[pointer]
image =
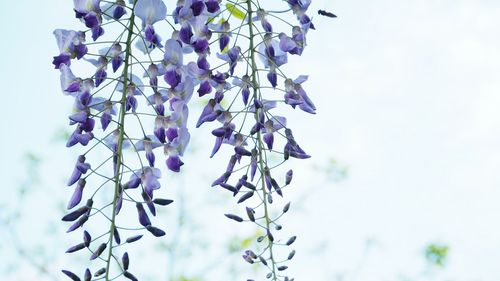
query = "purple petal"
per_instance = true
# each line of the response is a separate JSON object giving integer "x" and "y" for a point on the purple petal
{"x": 185, "y": 34}
{"x": 78, "y": 223}
{"x": 223, "y": 41}
{"x": 155, "y": 231}
{"x": 133, "y": 238}
{"x": 286, "y": 43}
{"x": 71, "y": 275}
{"x": 131, "y": 103}
{"x": 86, "y": 238}
{"x": 273, "y": 78}
{"x": 172, "y": 77}
{"x": 75, "y": 248}
{"x": 100, "y": 76}
{"x": 105, "y": 120}
{"x": 201, "y": 46}
{"x": 160, "y": 134}
{"x": 73, "y": 87}
{"x": 203, "y": 63}
{"x": 174, "y": 163}
{"x": 76, "y": 198}
{"x": 253, "y": 164}
{"x": 91, "y": 20}
{"x": 245, "y": 94}
{"x": 75, "y": 214}
{"x": 289, "y": 176}
{"x": 75, "y": 176}
{"x": 212, "y": 6}
{"x": 151, "y": 158}
{"x": 134, "y": 182}
{"x": 98, "y": 251}
{"x": 61, "y": 59}
{"x": 116, "y": 62}
{"x": 87, "y": 275}
{"x": 118, "y": 12}
{"x": 171, "y": 133}
{"x": 205, "y": 88}
{"x": 197, "y": 7}
{"x": 207, "y": 110}
{"x": 125, "y": 261}
{"x": 143, "y": 217}
{"x": 218, "y": 143}
{"x": 242, "y": 151}
{"x": 222, "y": 179}
{"x": 79, "y": 117}
{"x": 173, "y": 52}
{"x": 269, "y": 140}
{"x": 150, "y": 11}
{"x": 97, "y": 32}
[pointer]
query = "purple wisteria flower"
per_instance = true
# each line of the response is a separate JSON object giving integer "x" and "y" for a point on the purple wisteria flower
{"x": 150, "y": 12}
{"x": 71, "y": 45}
{"x": 232, "y": 56}
{"x": 114, "y": 10}
{"x": 148, "y": 144}
{"x": 296, "y": 95}
{"x": 295, "y": 44}
{"x": 273, "y": 57}
{"x": 113, "y": 54}
{"x": 89, "y": 12}
{"x": 139, "y": 89}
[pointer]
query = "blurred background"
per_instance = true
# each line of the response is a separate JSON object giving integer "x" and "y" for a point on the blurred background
{"x": 404, "y": 183}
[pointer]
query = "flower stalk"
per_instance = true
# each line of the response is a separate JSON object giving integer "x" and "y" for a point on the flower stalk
{"x": 258, "y": 97}
{"x": 121, "y": 130}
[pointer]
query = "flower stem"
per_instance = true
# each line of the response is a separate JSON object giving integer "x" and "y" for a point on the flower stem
{"x": 121, "y": 129}
{"x": 258, "y": 96}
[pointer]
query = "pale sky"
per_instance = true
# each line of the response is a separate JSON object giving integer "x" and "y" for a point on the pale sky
{"x": 408, "y": 94}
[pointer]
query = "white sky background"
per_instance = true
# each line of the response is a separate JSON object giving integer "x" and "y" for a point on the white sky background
{"x": 408, "y": 94}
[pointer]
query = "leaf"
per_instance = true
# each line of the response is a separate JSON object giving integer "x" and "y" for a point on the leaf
{"x": 237, "y": 13}
{"x": 437, "y": 254}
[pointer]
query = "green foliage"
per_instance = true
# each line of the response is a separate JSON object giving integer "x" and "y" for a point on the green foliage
{"x": 436, "y": 254}
{"x": 237, "y": 13}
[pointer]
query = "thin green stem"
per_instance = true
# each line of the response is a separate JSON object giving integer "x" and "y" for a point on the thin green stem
{"x": 260, "y": 146}
{"x": 121, "y": 138}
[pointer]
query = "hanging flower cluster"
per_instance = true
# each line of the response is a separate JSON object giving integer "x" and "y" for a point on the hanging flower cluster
{"x": 250, "y": 127}
{"x": 246, "y": 45}
{"x": 115, "y": 96}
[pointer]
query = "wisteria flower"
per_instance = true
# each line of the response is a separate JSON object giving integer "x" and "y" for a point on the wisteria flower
{"x": 150, "y": 11}
{"x": 70, "y": 45}
{"x": 296, "y": 95}
{"x": 148, "y": 144}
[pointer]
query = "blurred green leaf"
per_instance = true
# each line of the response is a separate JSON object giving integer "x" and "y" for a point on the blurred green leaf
{"x": 436, "y": 254}
{"x": 32, "y": 158}
{"x": 237, "y": 13}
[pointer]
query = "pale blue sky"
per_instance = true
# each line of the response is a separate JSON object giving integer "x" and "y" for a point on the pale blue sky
{"x": 408, "y": 94}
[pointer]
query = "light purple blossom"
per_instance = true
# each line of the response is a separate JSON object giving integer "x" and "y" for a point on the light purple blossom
{"x": 114, "y": 10}
{"x": 70, "y": 45}
{"x": 296, "y": 95}
{"x": 148, "y": 144}
{"x": 150, "y": 11}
